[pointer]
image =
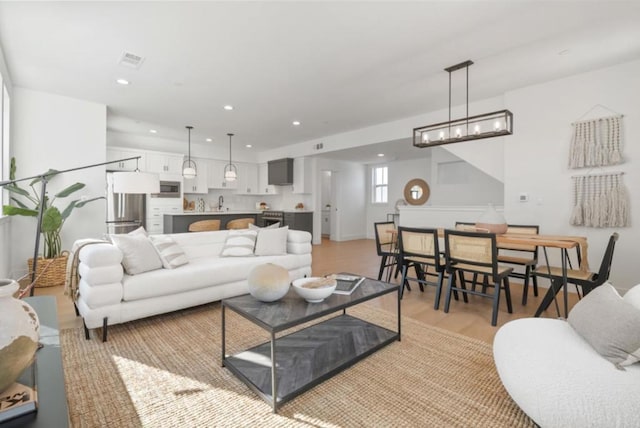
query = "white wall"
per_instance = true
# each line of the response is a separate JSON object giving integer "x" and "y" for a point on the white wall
{"x": 536, "y": 158}
{"x": 477, "y": 188}
{"x": 350, "y": 189}
{"x": 51, "y": 131}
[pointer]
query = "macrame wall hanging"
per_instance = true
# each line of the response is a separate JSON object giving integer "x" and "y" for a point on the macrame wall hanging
{"x": 600, "y": 200}
{"x": 596, "y": 142}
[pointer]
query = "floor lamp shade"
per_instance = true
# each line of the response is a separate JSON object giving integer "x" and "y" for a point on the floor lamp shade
{"x": 135, "y": 182}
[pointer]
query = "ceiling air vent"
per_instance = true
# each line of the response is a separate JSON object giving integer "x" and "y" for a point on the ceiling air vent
{"x": 131, "y": 60}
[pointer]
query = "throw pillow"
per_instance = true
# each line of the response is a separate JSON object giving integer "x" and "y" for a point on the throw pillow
{"x": 239, "y": 243}
{"x": 169, "y": 251}
{"x": 139, "y": 255}
{"x": 609, "y": 324}
{"x": 272, "y": 242}
{"x": 271, "y": 226}
{"x": 138, "y": 231}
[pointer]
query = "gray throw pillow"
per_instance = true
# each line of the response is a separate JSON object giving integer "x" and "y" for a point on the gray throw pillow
{"x": 139, "y": 254}
{"x": 169, "y": 251}
{"x": 609, "y": 324}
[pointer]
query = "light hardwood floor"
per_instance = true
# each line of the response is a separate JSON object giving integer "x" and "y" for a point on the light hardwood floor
{"x": 472, "y": 319}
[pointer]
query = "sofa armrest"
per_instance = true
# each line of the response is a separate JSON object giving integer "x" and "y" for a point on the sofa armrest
{"x": 298, "y": 242}
{"x": 101, "y": 274}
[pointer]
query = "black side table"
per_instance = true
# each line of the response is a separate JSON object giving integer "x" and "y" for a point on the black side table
{"x": 52, "y": 397}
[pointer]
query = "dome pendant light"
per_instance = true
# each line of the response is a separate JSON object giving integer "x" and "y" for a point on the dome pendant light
{"x": 189, "y": 169}
{"x": 230, "y": 170}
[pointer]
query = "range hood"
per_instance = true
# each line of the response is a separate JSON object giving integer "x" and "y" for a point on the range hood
{"x": 280, "y": 172}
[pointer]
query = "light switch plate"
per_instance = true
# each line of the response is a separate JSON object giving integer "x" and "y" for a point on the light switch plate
{"x": 524, "y": 197}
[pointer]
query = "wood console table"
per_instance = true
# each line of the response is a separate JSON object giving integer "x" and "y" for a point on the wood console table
{"x": 52, "y": 398}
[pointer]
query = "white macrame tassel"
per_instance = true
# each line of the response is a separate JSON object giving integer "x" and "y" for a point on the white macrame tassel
{"x": 577, "y": 218}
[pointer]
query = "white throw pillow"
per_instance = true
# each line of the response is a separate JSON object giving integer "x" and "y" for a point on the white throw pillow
{"x": 271, "y": 226}
{"x": 632, "y": 296}
{"x": 272, "y": 242}
{"x": 139, "y": 254}
{"x": 239, "y": 243}
{"x": 169, "y": 251}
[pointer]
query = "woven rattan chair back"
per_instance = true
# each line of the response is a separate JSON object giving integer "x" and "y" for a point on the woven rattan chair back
{"x": 240, "y": 223}
{"x": 204, "y": 226}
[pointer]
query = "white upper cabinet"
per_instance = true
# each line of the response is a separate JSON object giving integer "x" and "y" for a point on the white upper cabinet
{"x": 116, "y": 153}
{"x": 215, "y": 179}
{"x": 247, "y": 179}
{"x": 164, "y": 163}
{"x": 264, "y": 188}
{"x": 200, "y": 183}
{"x": 301, "y": 175}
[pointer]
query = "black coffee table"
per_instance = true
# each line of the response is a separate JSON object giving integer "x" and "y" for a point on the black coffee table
{"x": 286, "y": 366}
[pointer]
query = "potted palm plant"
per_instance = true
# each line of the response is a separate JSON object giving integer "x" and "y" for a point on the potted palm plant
{"x": 51, "y": 270}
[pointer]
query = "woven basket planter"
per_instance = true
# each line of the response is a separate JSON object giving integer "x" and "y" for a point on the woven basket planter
{"x": 50, "y": 272}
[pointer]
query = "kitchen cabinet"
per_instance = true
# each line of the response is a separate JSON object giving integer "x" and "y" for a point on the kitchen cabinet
{"x": 247, "y": 179}
{"x": 200, "y": 183}
{"x": 301, "y": 175}
{"x": 116, "y": 153}
{"x": 156, "y": 209}
{"x": 264, "y": 188}
{"x": 164, "y": 163}
{"x": 299, "y": 221}
{"x": 215, "y": 178}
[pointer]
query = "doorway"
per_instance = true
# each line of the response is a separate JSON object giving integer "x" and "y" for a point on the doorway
{"x": 329, "y": 205}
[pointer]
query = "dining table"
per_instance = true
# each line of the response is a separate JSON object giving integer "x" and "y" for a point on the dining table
{"x": 562, "y": 242}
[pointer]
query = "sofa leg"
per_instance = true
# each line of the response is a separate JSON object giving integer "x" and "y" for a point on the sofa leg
{"x": 86, "y": 330}
{"x": 104, "y": 329}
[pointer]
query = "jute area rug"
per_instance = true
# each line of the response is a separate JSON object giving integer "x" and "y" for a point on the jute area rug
{"x": 165, "y": 371}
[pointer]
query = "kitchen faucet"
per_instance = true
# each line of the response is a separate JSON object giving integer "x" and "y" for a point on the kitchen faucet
{"x": 220, "y": 202}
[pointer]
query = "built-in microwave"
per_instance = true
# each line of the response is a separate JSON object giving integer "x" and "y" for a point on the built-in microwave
{"x": 168, "y": 189}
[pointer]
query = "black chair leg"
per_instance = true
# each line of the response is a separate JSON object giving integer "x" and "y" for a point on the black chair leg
{"x": 450, "y": 285}
{"x": 463, "y": 286}
{"x": 383, "y": 262}
{"x": 535, "y": 285}
{"x": 436, "y": 303}
{"x": 420, "y": 274}
{"x": 496, "y": 303}
{"x": 475, "y": 281}
{"x": 525, "y": 287}
{"x": 507, "y": 294}
{"x": 404, "y": 280}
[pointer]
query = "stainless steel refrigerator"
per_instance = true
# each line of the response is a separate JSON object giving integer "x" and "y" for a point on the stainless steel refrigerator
{"x": 125, "y": 212}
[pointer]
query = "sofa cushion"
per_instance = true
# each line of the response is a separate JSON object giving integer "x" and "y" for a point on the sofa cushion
{"x": 202, "y": 273}
{"x": 139, "y": 255}
{"x": 633, "y": 296}
{"x": 239, "y": 243}
{"x": 272, "y": 242}
{"x": 170, "y": 253}
{"x": 609, "y": 324}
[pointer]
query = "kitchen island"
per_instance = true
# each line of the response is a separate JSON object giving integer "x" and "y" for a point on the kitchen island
{"x": 179, "y": 223}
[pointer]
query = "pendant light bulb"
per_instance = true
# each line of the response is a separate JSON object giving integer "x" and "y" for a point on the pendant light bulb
{"x": 189, "y": 169}
{"x": 230, "y": 170}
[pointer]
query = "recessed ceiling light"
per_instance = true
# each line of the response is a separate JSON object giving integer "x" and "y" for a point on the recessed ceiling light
{"x": 208, "y": 140}
{"x": 228, "y": 107}
{"x": 296, "y": 123}
{"x": 153, "y": 131}
{"x": 380, "y": 155}
{"x": 248, "y": 146}
{"x": 122, "y": 82}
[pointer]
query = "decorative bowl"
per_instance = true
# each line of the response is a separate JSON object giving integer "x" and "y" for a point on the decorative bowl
{"x": 316, "y": 294}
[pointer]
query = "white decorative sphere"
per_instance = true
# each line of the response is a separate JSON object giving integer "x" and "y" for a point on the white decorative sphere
{"x": 19, "y": 334}
{"x": 268, "y": 282}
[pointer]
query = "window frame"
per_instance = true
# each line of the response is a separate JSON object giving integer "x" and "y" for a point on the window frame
{"x": 383, "y": 185}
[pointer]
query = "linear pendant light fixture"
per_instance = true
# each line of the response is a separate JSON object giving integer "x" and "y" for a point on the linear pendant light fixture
{"x": 230, "y": 170}
{"x": 488, "y": 125}
{"x": 189, "y": 169}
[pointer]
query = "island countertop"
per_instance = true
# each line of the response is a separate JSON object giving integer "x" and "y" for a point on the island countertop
{"x": 230, "y": 212}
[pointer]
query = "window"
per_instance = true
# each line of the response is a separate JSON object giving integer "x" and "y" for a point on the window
{"x": 4, "y": 137}
{"x": 379, "y": 185}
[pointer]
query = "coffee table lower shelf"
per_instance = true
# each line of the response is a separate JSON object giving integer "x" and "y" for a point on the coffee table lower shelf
{"x": 309, "y": 356}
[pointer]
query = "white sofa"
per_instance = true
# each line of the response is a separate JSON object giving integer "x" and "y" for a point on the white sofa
{"x": 109, "y": 296}
{"x": 559, "y": 380}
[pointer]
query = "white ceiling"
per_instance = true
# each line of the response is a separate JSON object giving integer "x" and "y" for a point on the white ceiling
{"x": 334, "y": 66}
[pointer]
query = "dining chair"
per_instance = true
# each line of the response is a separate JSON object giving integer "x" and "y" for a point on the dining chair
{"x": 584, "y": 279}
{"x": 419, "y": 248}
{"x": 240, "y": 223}
{"x": 475, "y": 253}
{"x": 521, "y": 255}
{"x": 204, "y": 225}
{"x": 386, "y": 247}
